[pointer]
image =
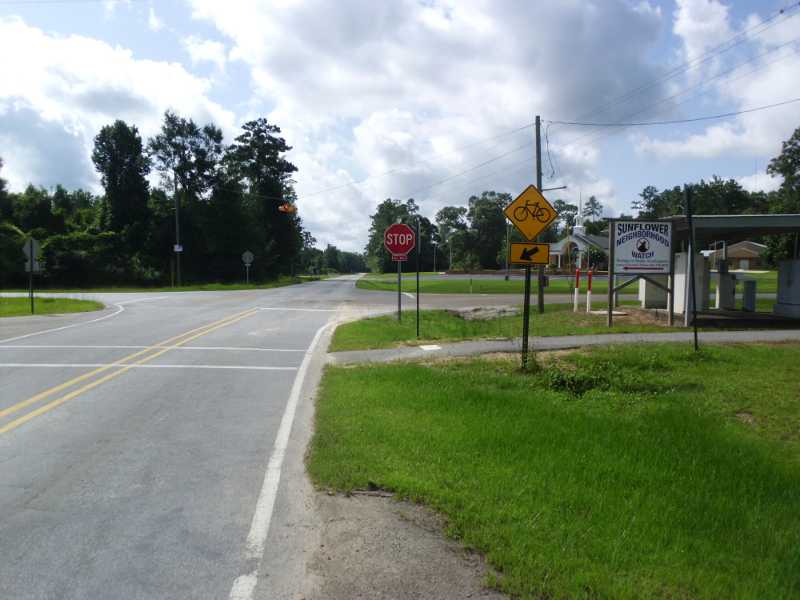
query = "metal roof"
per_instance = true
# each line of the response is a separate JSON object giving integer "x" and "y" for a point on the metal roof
{"x": 734, "y": 227}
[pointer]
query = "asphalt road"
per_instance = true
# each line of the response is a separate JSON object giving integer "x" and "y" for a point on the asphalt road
{"x": 152, "y": 451}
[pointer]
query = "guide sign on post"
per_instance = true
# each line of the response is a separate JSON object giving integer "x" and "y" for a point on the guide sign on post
{"x": 399, "y": 239}
{"x": 531, "y": 214}
{"x": 642, "y": 247}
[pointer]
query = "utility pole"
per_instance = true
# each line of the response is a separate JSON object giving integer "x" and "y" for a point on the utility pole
{"x": 508, "y": 235}
{"x": 540, "y": 290}
{"x": 177, "y": 248}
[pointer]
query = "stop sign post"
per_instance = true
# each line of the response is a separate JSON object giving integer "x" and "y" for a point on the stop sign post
{"x": 399, "y": 239}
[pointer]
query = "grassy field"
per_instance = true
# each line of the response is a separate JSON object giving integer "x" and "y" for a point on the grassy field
{"x": 202, "y": 287}
{"x": 627, "y": 472}
{"x": 17, "y": 307}
{"x": 767, "y": 283}
{"x": 441, "y": 326}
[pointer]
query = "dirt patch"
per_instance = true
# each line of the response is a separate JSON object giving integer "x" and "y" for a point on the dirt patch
{"x": 484, "y": 313}
{"x": 746, "y": 417}
{"x": 379, "y": 548}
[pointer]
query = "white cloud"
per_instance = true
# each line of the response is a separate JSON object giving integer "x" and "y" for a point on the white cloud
{"x": 759, "y": 182}
{"x": 387, "y": 83}
{"x": 702, "y": 24}
{"x": 59, "y": 91}
{"x": 153, "y": 22}
{"x": 201, "y": 51}
{"x": 767, "y": 68}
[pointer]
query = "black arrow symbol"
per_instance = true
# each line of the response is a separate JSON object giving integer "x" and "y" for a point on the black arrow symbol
{"x": 527, "y": 253}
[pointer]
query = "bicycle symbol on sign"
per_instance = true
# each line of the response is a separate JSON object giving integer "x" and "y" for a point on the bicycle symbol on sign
{"x": 532, "y": 209}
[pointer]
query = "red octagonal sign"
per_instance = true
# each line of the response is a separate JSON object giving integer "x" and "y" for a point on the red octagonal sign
{"x": 399, "y": 239}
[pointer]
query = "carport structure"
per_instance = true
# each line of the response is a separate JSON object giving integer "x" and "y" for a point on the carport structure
{"x": 735, "y": 228}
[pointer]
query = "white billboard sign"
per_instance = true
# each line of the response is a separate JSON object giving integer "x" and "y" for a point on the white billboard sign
{"x": 642, "y": 247}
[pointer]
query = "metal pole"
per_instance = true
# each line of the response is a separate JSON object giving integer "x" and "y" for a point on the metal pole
{"x": 30, "y": 271}
{"x": 508, "y": 273}
{"x": 687, "y": 193}
{"x": 247, "y": 274}
{"x": 177, "y": 228}
{"x": 399, "y": 293}
{"x": 419, "y": 251}
{"x": 540, "y": 278}
{"x": 526, "y": 313}
{"x": 612, "y": 226}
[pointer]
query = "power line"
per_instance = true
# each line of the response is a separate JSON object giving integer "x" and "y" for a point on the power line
{"x": 37, "y": 2}
{"x": 729, "y": 44}
{"x": 473, "y": 168}
{"x": 417, "y": 161}
{"x": 678, "y": 121}
{"x": 704, "y": 84}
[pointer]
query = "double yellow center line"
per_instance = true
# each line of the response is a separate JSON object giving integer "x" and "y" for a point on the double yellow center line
{"x": 122, "y": 365}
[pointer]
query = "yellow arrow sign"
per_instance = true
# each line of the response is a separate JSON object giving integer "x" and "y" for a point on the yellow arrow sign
{"x": 530, "y": 213}
{"x": 529, "y": 254}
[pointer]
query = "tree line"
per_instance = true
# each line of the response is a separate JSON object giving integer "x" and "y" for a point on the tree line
{"x": 473, "y": 237}
{"x": 225, "y": 199}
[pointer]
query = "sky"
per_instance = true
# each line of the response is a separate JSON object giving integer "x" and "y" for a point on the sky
{"x": 430, "y": 99}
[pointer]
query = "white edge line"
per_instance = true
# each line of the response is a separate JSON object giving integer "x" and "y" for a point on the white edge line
{"x": 135, "y": 366}
{"x": 90, "y": 347}
{"x": 120, "y": 308}
{"x": 286, "y": 309}
{"x": 244, "y": 585}
{"x": 409, "y": 294}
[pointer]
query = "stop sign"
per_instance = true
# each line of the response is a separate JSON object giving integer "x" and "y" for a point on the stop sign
{"x": 399, "y": 239}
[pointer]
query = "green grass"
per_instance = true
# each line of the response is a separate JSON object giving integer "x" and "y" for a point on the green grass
{"x": 201, "y": 287}
{"x": 767, "y": 283}
{"x": 629, "y": 472}
{"x": 17, "y": 307}
{"x": 441, "y": 326}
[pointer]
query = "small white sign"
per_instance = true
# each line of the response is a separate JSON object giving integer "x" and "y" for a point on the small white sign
{"x": 642, "y": 247}
{"x": 177, "y": 248}
{"x": 248, "y": 257}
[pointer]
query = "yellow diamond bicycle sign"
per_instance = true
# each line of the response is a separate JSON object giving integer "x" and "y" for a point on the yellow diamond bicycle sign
{"x": 531, "y": 213}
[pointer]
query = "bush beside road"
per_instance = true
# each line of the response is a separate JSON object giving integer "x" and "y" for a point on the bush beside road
{"x": 447, "y": 326}
{"x": 19, "y": 307}
{"x": 486, "y": 284}
{"x": 623, "y": 472}
{"x": 200, "y": 287}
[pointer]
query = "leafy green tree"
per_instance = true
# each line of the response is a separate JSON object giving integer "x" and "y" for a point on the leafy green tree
{"x": 567, "y": 216}
{"x": 5, "y": 200}
{"x": 257, "y": 157}
{"x": 119, "y": 158}
{"x": 12, "y": 259}
{"x": 787, "y": 163}
{"x": 450, "y": 220}
{"x": 787, "y": 199}
{"x": 593, "y": 208}
{"x": 388, "y": 212}
{"x": 488, "y": 224}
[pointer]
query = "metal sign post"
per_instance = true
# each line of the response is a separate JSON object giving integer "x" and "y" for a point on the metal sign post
{"x": 247, "y": 259}
{"x": 531, "y": 214}
{"x": 419, "y": 251}
{"x": 30, "y": 272}
{"x": 687, "y": 194}
{"x": 31, "y": 248}
{"x": 399, "y": 239}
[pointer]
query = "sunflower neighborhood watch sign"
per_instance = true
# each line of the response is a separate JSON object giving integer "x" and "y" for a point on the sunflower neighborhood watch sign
{"x": 642, "y": 247}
